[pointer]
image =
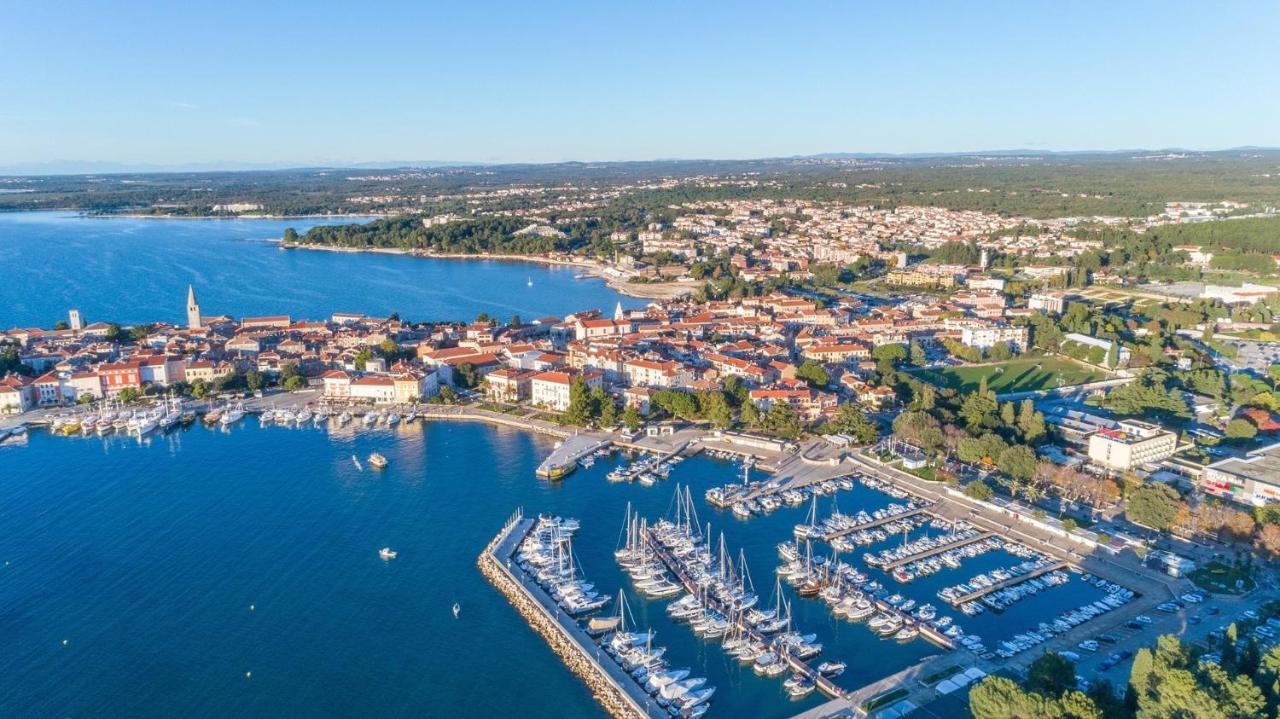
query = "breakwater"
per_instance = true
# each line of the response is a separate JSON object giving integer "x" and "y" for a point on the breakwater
{"x": 560, "y": 632}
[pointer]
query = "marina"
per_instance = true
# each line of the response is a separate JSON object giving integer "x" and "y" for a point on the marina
{"x": 719, "y": 654}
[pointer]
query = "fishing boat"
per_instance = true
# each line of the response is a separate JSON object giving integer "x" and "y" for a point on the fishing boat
{"x": 377, "y": 461}
{"x": 232, "y": 415}
{"x": 387, "y": 553}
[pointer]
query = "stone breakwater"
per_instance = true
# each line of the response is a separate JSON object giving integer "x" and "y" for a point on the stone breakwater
{"x": 606, "y": 692}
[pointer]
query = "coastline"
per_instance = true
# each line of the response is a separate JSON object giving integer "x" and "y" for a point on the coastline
{"x": 661, "y": 291}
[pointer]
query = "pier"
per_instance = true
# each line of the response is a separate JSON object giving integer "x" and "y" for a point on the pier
{"x": 1011, "y": 581}
{"x": 936, "y": 550}
{"x": 564, "y": 459}
{"x": 799, "y": 666}
{"x": 617, "y": 692}
{"x": 874, "y": 523}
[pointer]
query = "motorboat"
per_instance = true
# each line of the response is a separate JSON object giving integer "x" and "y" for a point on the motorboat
{"x": 387, "y": 553}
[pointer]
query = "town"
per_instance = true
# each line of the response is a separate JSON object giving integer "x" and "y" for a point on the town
{"x": 1124, "y": 433}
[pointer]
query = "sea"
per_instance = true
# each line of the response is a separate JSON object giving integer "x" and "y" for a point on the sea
{"x": 136, "y": 269}
{"x": 235, "y": 572}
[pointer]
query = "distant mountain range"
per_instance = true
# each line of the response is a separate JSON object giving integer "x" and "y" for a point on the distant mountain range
{"x": 96, "y": 167}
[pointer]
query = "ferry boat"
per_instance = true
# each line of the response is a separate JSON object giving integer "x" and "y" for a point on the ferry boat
{"x": 377, "y": 461}
{"x": 387, "y": 553}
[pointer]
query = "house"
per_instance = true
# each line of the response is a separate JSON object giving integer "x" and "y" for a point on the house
{"x": 649, "y": 373}
{"x": 119, "y": 376}
{"x": 17, "y": 394}
{"x": 639, "y": 397}
{"x": 551, "y": 389}
{"x": 337, "y": 384}
{"x": 508, "y": 384}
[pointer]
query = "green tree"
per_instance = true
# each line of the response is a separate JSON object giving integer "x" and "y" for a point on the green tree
{"x": 1154, "y": 505}
{"x": 631, "y": 418}
{"x": 978, "y": 411}
{"x": 295, "y": 383}
{"x": 129, "y": 395}
{"x": 114, "y": 333}
{"x": 1030, "y": 422}
{"x": 579, "y": 410}
{"x": 362, "y": 358}
{"x": 137, "y": 333}
{"x": 466, "y": 376}
{"x": 888, "y": 355}
{"x": 199, "y": 389}
{"x": 61, "y": 325}
{"x": 715, "y": 407}
{"x": 979, "y": 490}
{"x": 916, "y": 355}
{"x": 813, "y": 373}
{"x": 782, "y": 419}
{"x": 851, "y": 420}
{"x": 1008, "y": 416}
{"x": 1051, "y": 674}
{"x": 1240, "y": 428}
{"x": 750, "y": 414}
{"x": 254, "y": 380}
{"x": 1018, "y": 461}
{"x": 608, "y": 412}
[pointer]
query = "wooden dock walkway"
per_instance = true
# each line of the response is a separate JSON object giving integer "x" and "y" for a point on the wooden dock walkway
{"x": 799, "y": 666}
{"x": 980, "y": 593}
{"x": 875, "y": 523}
{"x": 937, "y": 550}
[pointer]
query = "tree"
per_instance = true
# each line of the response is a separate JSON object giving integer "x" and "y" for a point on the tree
{"x": 1240, "y": 428}
{"x": 295, "y": 383}
{"x": 1154, "y": 505}
{"x": 978, "y": 410}
{"x": 515, "y": 321}
{"x": 715, "y": 407}
{"x": 916, "y": 354}
{"x": 1019, "y": 462}
{"x": 254, "y": 380}
{"x": 608, "y": 412}
{"x": 1268, "y": 539}
{"x": 129, "y": 395}
{"x": 749, "y": 414}
{"x": 1008, "y": 416}
{"x": 888, "y": 355}
{"x": 114, "y": 333}
{"x": 466, "y": 376}
{"x": 599, "y": 398}
{"x": 813, "y": 373}
{"x": 978, "y": 490}
{"x": 362, "y": 357}
{"x": 579, "y": 410}
{"x": 137, "y": 333}
{"x": 1051, "y": 674}
{"x": 782, "y": 419}
{"x": 61, "y": 325}
{"x": 1030, "y": 422}
{"x": 851, "y": 420}
{"x": 199, "y": 389}
{"x": 631, "y": 418}
{"x": 920, "y": 429}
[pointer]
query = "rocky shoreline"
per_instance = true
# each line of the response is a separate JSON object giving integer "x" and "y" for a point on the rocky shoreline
{"x": 606, "y": 693}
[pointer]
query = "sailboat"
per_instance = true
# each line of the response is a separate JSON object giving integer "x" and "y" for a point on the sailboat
{"x": 529, "y": 282}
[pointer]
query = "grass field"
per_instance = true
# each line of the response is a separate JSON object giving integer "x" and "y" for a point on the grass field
{"x": 1017, "y": 375}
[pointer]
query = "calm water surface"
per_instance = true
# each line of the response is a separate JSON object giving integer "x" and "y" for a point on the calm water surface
{"x": 145, "y": 559}
{"x": 137, "y": 270}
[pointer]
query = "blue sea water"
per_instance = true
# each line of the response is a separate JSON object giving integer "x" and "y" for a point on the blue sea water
{"x": 128, "y": 270}
{"x": 146, "y": 557}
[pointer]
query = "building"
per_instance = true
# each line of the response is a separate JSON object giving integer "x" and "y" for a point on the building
{"x": 988, "y": 336}
{"x": 193, "y": 309}
{"x": 1253, "y": 479}
{"x": 1049, "y": 303}
{"x": 648, "y": 373}
{"x": 1131, "y": 444}
{"x": 508, "y": 384}
{"x": 1123, "y": 354}
{"x": 76, "y": 321}
{"x": 551, "y": 389}
{"x": 119, "y": 376}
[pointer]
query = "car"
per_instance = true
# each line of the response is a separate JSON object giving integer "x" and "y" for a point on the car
{"x": 1251, "y": 614}
{"x": 1083, "y": 684}
{"x": 1194, "y": 619}
{"x": 1123, "y": 654}
{"x": 1069, "y": 655}
{"x": 1213, "y": 611}
{"x": 1088, "y": 645}
{"x": 1134, "y": 625}
{"x": 1213, "y": 657}
{"x": 1106, "y": 664}
{"x": 1168, "y": 607}
{"x": 1191, "y": 598}
{"x": 1106, "y": 638}
{"x": 1142, "y": 619}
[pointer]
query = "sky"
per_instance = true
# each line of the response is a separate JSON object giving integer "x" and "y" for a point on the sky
{"x": 325, "y": 82}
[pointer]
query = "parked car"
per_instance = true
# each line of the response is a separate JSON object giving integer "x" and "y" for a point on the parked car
{"x": 1142, "y": 619}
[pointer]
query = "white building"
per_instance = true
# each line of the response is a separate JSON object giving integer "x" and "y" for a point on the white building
{"x": 1049, "y": 303}
{"x": 988, "y": 336}
{"x": 552, "y": 389}
{"x": 1132, "y": 444}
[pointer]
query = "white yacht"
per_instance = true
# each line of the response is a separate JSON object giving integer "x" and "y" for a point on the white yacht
{"x": 387, "y": 553}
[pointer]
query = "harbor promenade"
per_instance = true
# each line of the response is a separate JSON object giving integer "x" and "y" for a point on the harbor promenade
{"x": 616, "y": 692}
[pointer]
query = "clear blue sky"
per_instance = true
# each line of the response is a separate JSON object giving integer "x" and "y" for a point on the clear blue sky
{"x": 322, "y": 82}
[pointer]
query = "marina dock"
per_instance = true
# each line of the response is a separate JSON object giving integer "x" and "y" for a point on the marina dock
{"x": 874, "y": 523}
{"x": 936, "y": 550}
{"x": 565, "y": 458}
{"x": 618, "y": 693}
{"x": 980, "y": 593}
{"x": 799, "y": 666}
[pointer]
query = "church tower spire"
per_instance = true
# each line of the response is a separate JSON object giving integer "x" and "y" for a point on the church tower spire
{"x": 193, "y": 309}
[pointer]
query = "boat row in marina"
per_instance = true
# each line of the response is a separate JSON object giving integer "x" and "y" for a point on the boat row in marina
{"x": 722, "y": 603}
{"x": 1116, "y": 597}
{"x": 322, "y": 416}
{"x": 853, "y": 596}
{"x": 950, "y": 559}
{"x": 546, "y": 554}
{"x": 1000, "y": 599}
{"x": 875, "y": 535}
{"x": 674, "y": 690}
{"x": 647, "y": 470}
{"x": 136, "y": 422}
{"x": 962, "y": 532}
{"x": 839, "y": 523}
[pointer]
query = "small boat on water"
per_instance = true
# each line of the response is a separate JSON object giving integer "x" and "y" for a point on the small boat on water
{"x": 832, "y": 669}
{"x": 356, "y": 460}
{"x": 457, "y": 609}
{"x": 387, "y": 553}
{"x": 377, "y": 460}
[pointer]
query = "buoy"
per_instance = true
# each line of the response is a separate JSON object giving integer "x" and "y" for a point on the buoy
{"x": 248, "y": 675}
{"x": 251, "y": 607}
{"x": 64, "y": 642}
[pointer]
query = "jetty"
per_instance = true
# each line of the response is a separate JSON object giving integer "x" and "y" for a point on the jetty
{"x": 1011, "y": 581}
{"x": 564, "y": 459}
{"x": 616, "y": 692}
{"x": 874, "y": 523}
{"x": 925, "y": 554}
{"x": 798, "y": 665}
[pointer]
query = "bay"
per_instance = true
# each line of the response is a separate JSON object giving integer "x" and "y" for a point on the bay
{"x": 130, "y": 270}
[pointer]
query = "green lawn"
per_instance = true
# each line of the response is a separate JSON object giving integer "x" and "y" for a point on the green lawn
{"x": 1221, "y": 579}
{"x": 1016, "y": 375}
